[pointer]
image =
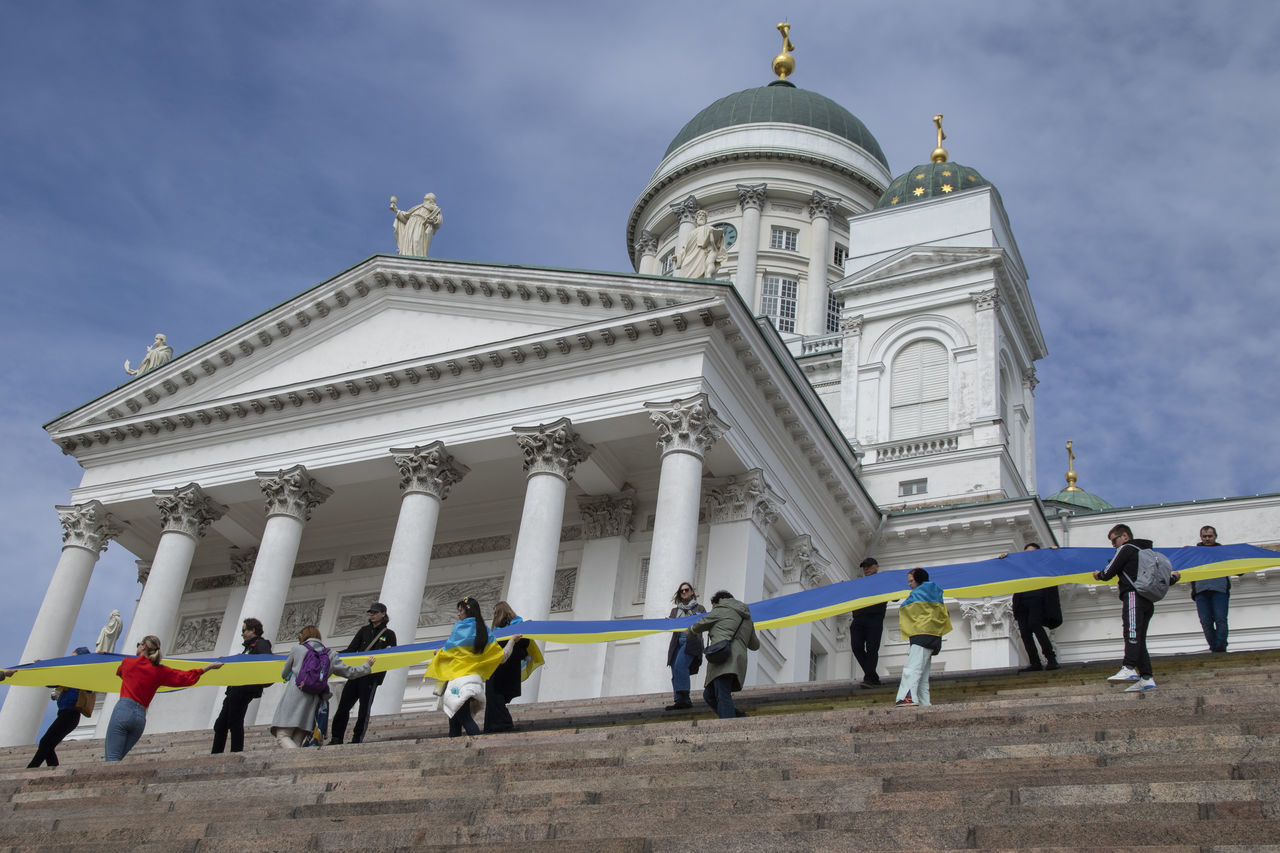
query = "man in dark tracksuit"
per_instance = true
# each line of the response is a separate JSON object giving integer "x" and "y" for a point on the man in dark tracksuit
{"x": 1135, "y": 612}
{"x": 236, "y": 704}
{"x": 370, "y": 638}
{"x": 866, "y": 629}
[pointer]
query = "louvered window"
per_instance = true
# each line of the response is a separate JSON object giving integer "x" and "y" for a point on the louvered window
{"x": 918, "y": 388}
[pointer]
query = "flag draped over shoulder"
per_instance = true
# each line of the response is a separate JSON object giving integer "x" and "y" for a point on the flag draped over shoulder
{"x": 924, "y": 612}
{"x": 1019, "y": 572}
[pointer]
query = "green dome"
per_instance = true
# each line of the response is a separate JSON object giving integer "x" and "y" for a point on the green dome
{"x": 780, "y": 102}
{"x": 932, "y": 180}
{"x": 1081, "y": 498}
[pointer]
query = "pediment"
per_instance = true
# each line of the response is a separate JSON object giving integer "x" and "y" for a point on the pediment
{"x": 920, "y": 260}
{"x": 385, "y": 322}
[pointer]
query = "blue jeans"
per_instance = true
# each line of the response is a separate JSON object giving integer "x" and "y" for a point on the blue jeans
{"x": 1212, "y": 607}
{"x": 680, "y": 668}
{"x": 127, "y": 722}
{"x": 719, "y": 695}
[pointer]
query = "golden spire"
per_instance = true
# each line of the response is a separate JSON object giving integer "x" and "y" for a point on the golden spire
{"x": 1071, "y": 470}
{"x": 939, "y": 154}
{"x": 784, "y": 64}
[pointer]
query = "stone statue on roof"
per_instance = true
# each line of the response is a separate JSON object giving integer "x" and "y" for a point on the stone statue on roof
{"x": 157, "y": 354}
{"x": 704, "y": 252}
{"x": 415, "y": 227}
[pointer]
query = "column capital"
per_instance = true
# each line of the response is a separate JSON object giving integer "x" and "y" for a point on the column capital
{"x": 428, "y": 470}
{"x": 1030, "y": 378}
{"x": 144, "y": 570}
{"x": 604, "y": 516}
{"x": 685, "y": 209}
{"x": 985, "y": 300}
{"x": 851, "y": 326}
{"x": 554, "y": 448}
{"x": 688, "y": 425}
{"x": 741, "y": 497}
{"x": 989, "y": 619}
{"x": 88, "y": 526}
{"x": 646, "y": 244}
{"x": 821, "y": 205}
{"x": 292, "y": 492}
{"x": 803, "y": 564}
{"x": 187, "y": 510}
{"x": 242, "y": 563}
{"x": 751, "y": 195}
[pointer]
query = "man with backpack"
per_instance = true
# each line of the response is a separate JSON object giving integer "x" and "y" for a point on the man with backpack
{"x": 370, "y": 638}
{"x": 1143, "y": 580}
{"x": 236, "y": 703}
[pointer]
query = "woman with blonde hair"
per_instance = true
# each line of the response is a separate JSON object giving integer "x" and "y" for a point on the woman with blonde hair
{"x": 296, "y": 714}
{"x": 140, "y": 677}
{"x": 684, "y": 654}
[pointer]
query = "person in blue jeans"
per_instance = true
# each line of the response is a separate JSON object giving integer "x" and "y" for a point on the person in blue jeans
{"x": 684, "y": 654}
{"x": 1212, "y": 597}
{"x": 728, "y": 620}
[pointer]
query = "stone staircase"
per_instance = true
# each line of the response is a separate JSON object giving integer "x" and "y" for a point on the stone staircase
{"x": 1044, "y": 761}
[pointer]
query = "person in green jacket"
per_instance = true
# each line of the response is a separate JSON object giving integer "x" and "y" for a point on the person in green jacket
{"x": 729, "y": 619}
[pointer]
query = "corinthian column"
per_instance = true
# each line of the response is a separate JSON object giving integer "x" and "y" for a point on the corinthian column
{"x": 86, "y": 528}
{"x": 686, "y": 210}
{"x": 815, "y": 302}
{"x": 291, "y": 496}
{"x": 647, "y": 252}
{"x": 185, "y": 515}
{"x": 751, "y": 199}
{"x": 426, "y": 476}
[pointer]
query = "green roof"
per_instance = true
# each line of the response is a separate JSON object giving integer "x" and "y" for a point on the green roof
{"x": 1080, "y": 498}
{"x": 932, "y": 180}
{"x": 780, "y": 102}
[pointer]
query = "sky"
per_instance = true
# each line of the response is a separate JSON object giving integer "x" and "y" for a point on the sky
{"x": 179, "y": 167}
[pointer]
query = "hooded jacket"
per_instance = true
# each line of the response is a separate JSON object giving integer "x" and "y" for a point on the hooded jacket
{"x": 1124, "y": 565}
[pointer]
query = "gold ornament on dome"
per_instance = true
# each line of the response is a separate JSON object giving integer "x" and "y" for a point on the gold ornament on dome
{"x": 946, "y": 188}
{"x": 918, "y": 191}
{"x": 920, "y": 177}
{"x": 784, "y": 64}
{"x": 895, "y": 200}
{"x": 946, "y": 174}
{"x": 939, "y": 154}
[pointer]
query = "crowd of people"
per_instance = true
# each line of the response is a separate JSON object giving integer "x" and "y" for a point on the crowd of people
{"x": 474, "y": 675}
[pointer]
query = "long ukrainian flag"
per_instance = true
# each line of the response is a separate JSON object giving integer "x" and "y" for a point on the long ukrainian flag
{"x": 1019, "y": 572}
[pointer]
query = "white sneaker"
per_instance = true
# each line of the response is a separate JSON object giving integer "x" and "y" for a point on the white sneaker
{"x": 1126, "y": 673}
{"x": 1141, "y": 685}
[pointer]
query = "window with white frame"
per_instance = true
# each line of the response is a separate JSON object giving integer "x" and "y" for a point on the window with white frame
{"x": 778, "y": 302}
{"x": 918, "y": 390}
{"x": 909, "y": 488}
{"x": 838, "y": 256}
{"x": 834, "y": 306}
{"x": 786, "y": 239}
{"x": 669, "y": 263}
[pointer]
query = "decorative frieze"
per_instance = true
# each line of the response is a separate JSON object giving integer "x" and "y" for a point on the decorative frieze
{"x": 198, "y": 634}
{"x": 607, "y": 515}
{"x": 562, "y": 589}
{"x": 739, "y": 498}
{"x": 554, "y": 448}
{"x": 689, "y": 425}
{"x": 213, "y": 582}
{"x": 353, "y": 614}
{"x": 440, "y": 601}
{"x": 428, "y": 470}
{"x": 467, "y": 547}
{"x": 298, "y": 615}
{"x": 87, "y": 525}
{"x": 292, "y": 492}
{"x": 187, "y": 510}
{"x": 377, "y": 560}
{"x": 313, "y": 567}
{"x": 989, "y": 619}
{"x": 751, "y": 195}
{"x": 803, "y": 564}
{"x": 985, "y": 300}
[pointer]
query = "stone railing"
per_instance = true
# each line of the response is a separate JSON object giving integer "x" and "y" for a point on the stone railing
{"x": 826, "y": 343}
{"x": 923, "y": 446}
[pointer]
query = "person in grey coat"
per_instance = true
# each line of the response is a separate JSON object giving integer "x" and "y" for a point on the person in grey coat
{"x": 728, "y": 619}
{"x": 296, "y": 714}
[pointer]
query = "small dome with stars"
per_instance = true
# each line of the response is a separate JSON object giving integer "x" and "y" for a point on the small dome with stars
{"x": 932, "y": 180}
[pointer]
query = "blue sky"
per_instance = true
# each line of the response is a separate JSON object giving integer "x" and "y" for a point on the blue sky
{"x": 179, "y": 167}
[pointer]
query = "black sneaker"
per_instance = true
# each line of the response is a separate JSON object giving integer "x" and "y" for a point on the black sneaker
{"x": 679, "y": 706}
{"x": 1035, "y": 667}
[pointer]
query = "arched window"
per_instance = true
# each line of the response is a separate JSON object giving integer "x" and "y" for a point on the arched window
{"x": 918, "y": 389}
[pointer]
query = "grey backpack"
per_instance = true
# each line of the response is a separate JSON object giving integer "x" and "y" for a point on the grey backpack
{"x": 1155, "y": 574}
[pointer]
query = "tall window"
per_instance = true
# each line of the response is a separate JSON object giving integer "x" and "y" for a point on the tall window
{"x": 778, "y": 301}
{"x": 668, "y": 263}
{"x": 838, "y": 256}
{"x": 833, "y": 312}
{"x": 783, "y": 238}
{"x": 918, "y": 390}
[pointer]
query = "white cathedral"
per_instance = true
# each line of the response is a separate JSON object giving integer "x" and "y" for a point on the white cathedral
{"x": 852, "y": 373}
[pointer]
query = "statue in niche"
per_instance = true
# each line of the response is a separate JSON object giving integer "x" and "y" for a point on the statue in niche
{"x": 157, "y": 354}
{"x": 704, "y": 252}
{"x": 109, "y": 634}
{"x": 415, "y": 227}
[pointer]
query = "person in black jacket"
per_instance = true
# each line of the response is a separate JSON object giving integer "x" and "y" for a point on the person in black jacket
{"x": 370, "y": 638}
{"x": 504, "y": 684}
{"x": 1135, "y": 611}
{"x": 1036, "y": 611}
{"x": 63, "y": 724}
{"x": 236, "y": 704}
{"x": 866, "y": 629}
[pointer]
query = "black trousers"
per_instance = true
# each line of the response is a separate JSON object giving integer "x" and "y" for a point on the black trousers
{"x": 357, "y": 690}
{"x": 1136, "y": 613}
{"x": 496, "y": 716}
{"x": 231, "y": 720}
{"x": 62, "y": 725}
{"x": 463, "y": 721}
{"x": 864, "y": 636}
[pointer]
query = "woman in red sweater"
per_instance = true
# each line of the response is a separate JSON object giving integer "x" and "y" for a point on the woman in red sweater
{"x": 140, "y": 678}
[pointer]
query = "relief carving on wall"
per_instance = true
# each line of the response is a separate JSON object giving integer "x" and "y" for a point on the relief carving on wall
{"x": 198, "y": 634}
{"x": 296, "y": 616}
